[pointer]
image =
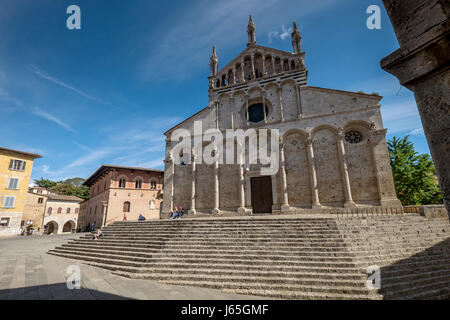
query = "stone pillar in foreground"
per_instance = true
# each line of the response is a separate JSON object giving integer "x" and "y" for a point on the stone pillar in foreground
{"x": 422, "y": 65}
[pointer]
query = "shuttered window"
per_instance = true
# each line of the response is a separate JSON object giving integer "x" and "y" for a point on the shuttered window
{"x": 17, "y": 165}
{"x": 8, "y": 202}
{"x": 13, "y": 183}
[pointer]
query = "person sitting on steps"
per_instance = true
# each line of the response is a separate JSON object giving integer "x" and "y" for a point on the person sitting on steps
{"x": 97, "y": 235}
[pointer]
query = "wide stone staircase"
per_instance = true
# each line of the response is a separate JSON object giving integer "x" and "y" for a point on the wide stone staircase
{"x": 295, "y": 257}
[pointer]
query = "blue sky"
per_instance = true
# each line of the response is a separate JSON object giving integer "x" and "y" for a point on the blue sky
{"x": 106, "y": 93}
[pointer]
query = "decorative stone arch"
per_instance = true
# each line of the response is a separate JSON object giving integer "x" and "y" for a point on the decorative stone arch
{"x": 298, "y": 168}
{"x": 294, "y": 131}
{"x": 253, "y": 101}
{"x": 360, "y": 162}
{"x": 360, "y": 126}
{"x": 288, "y": 81}
{"x": 153, "y": 182}
{"x": 52, "y": 227}
{"x": 68, "y": 226}
{"x": 237, "y": 92}
{"x": 329, "y": 165}
{"x": 122, "y": 176}
{"x": 324, "y": 127}
{"x": 274, "y": 84}
{"x": 135, "y": 179}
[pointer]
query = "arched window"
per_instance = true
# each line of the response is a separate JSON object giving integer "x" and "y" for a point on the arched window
{"x": 126, "y": 206}
{"x": 153, "y": 184}
{"x": 256, "y": 112}
{"x": 122, "y": 183}
{"x": 138, "y": 184}
{"x": 68, "y": 210}
{"x": 59, "y": 210}
{"x": 49, "y": 210}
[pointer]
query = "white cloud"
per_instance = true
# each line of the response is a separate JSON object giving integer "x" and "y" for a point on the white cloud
{"x": 417, "y": 132}
{"x": 285, "y": 33}
{"x": 43, "y": 75}
{"x": 45, "y": 115}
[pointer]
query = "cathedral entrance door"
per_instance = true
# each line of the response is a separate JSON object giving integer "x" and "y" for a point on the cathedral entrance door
{"x": 261, "y": 192}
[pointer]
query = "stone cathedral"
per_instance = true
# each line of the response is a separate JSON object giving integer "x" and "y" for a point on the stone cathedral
{"x": 333, "y": 152}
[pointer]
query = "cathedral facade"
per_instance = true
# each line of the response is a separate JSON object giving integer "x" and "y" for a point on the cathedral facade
{"x": 332, "y": 144}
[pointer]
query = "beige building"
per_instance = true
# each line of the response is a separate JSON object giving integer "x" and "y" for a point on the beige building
{"x": 15, "y": 173}
{"x": 58, "y": 213}
{"x": 117, "y": 192}
{"x": 332, "y": 153}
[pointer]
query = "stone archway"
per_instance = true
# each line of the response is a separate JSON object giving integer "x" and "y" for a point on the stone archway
{"x": 68, "y": 226}
{"x": 52, "y": 227}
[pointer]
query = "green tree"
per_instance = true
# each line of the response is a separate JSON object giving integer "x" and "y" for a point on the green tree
{"x": 44, "y": 183}
{"x": 68, "y": 187}
{"x": 414, "y": 174}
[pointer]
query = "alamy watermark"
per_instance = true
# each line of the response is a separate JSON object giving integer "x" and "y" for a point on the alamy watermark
{"x": 249, "y": 147}
{"x": 374, "y": 20}
{"x": 74, "y": 20}
{"x": 374, "y": 278}
{"x": 73, "y": 277}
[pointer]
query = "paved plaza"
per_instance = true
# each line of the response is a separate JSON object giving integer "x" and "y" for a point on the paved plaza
{"x": 28, "y": 272}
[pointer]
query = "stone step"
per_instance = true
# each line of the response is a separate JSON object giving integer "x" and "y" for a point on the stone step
{"x": 405, "y": 290}
{"x": 269, "y": 259}
{"x": 264, "y": 280}
{"x": 161, "y": 244}
{"x": 278, "y": 294}
{"x": 279, "y": 287}
{"x": 246, "y": 273}
{"x": 208, "y": 252}
{"x": 142, "y": 267}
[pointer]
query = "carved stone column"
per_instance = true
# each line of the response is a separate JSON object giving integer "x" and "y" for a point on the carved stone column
{"x": 216, "y": 103}
{"x": 232, "y": 112}
{"x": 312, "y": 174}
{"x": 284, "y": 191}
{"x": 344, "y": 170}
{"x": 253, "y": 66}
{"x": 234, "y": 75}
{"x": 168, "y": 195}
{"x": 246, "y": 110}
{"x": 194, "y": 177}
{"x": 280, "y": 98}
{"x": 299, "y": 102}
{"x": 264, "y": 65}
{"x": 264, "y": 106}
{"x": 241, "y": 208}
{"x": 104, "y": 213}
{"x": 273, "y": 65}
{"x": 282, "y": 65}
{"x": 243, "y": 72}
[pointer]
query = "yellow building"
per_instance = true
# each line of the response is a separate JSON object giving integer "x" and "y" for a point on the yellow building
{"x": 15, "y": 173}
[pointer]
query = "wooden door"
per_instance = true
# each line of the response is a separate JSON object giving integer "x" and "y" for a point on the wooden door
{"x": 261, "y": 192}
